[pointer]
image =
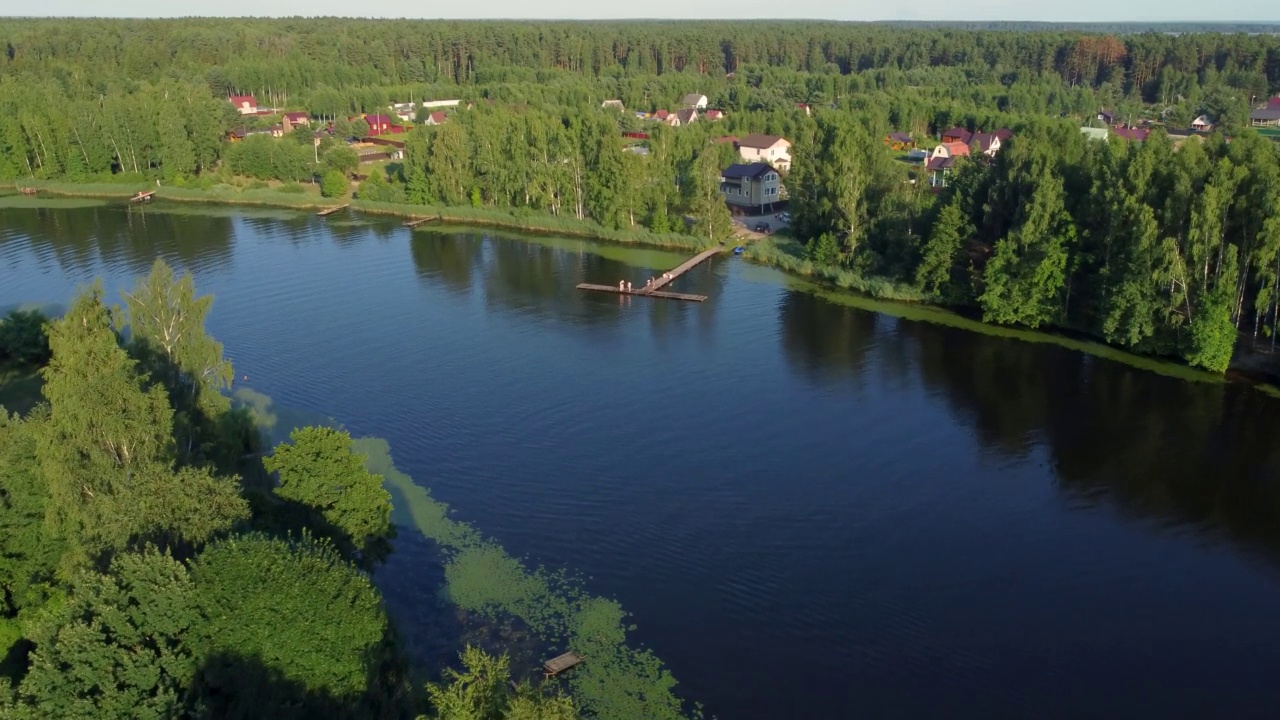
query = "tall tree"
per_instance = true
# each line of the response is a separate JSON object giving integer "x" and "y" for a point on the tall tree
{"x": 319, "y": 470}
{"x": 1025, "y": 278}
{"x": 165, "y": 320}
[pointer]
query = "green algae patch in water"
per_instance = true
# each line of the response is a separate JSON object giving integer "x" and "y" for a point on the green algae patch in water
{"x": 617, "y": 682}
{"x": 45, "y": 202}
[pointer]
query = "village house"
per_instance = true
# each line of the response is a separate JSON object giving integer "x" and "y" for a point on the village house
{"x": 985, "y": 143}
{"x": 687, "y": 117}
{"x": 1131, "y": 133}
{"x": 899, "y": 141}
{"x": 662, "y": 115}
{"x": 294, "y": 119}
{"x": 1106, "y": 116}
{"x": 437, "y": 118}
{"x": 406, "y": 111}
{"x": 695, "y": 101}
{"x": 765, "y": 148}
{"x": 754, "y": 186}
{"x": 957, "y": 135}
{"x": 942, "y": 161}
{"x": 378, "y": 124}
{"x": 804, "y": 108}
{"x": 441, "y": 103}
{"x": 612, "y": 104}
{"x": 1202, "y": 124}
{"x": 1266, "y": 116}
{"x": 714, "y": 115}
{"x": 244, "y": 104}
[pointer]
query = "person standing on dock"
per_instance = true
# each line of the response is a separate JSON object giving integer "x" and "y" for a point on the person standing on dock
{"x": 628, "y": 286}
{"x": 622, "y": 285}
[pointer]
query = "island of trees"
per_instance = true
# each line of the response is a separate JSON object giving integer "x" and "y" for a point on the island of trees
{"x": 1151, "y": 242}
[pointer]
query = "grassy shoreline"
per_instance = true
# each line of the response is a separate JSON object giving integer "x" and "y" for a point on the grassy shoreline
{"x": 485, "y": 217}
{"x": 533, "y": 223}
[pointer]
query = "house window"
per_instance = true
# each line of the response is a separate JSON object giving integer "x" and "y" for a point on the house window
{"x": 770, "y": 177}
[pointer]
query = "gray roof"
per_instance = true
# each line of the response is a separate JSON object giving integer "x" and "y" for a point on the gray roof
{"x": 1267, "y": 113}
{"x": 693, "y": 98}
{"x": 751, "y": 171}
{"x": 759, "y": 141}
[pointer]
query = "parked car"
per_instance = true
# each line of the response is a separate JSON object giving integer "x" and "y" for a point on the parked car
{"x": 764, "y": 227}
{"x": 785, "y": 217}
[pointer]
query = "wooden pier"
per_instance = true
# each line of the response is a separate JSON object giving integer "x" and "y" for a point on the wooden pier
{"x": 559, "y": 664}
{"x": 418, "y": 221}
{"x": 332, "y": 210}
{"x": 655, "y": 290}
{"x": 143, "y": 196}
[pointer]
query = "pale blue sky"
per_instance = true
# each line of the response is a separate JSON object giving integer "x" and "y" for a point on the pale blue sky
{"x": 1076, "y": 11}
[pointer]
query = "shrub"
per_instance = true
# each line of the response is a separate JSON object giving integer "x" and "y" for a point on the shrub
{"x": 23, "y": 339}
{"x": 333, "y": 184}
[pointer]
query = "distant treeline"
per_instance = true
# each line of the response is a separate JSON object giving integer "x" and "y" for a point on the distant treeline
{"x": 294, "y": 55}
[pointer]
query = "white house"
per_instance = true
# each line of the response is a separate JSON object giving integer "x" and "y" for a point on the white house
{"x": 615, "y": 104}
{"x": 765, "y": 148}
{"x": 1202, "y": 124}
{"x": 441, "y": 103}
{"x": 695, "y": 101}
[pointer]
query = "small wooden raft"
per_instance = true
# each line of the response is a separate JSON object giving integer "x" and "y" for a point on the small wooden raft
{"x": 418, "y": 221}
{"x": 30, "y": 190}
{"x": 332, "y": 210}
{"x": 559, "y": 664}
{"x": 142, "y": 196}
{"x": 641, "y": 291}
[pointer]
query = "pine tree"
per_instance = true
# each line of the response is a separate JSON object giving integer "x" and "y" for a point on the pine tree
{"x": 1025, "y": 277}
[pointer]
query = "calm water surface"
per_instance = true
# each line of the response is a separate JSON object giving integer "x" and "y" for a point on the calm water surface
{"x": 812, "y": 511}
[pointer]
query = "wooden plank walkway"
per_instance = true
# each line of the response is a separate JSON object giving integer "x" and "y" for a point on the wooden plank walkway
{"x": 332, "y": 210}
{"x": 684, "y": 267}
{"x": 641, "y": 291}
{"x": 418, "y": 221}
{"x": 559, "y": 664}
{"x": 142, "y": 196}
{"x": 655, "y": 290}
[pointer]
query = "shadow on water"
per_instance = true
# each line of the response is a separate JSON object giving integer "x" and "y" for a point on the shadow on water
{"x": 540, "y": 275}
{"x": 120, "y": 236}
{"x": 1177, "y": 454}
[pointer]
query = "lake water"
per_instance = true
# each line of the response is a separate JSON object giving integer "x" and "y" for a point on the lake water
{"x": 811, "y": 510}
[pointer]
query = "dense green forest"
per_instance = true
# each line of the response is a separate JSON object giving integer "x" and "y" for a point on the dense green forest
{"x": 1161, "y": 250}
{"x": 154, "y": 563}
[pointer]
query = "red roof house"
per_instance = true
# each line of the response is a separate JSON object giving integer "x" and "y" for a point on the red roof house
{"x": 437, "y": 118}
{"x": 378, "y": 124}
{"x": 957, "y": 135}
{"x": 662, "y": 115}
{"x": 244, "y": 104}
{"x": 297, "y": 118}
{"x": 714, "y": 114}
{"x": 1131, "y": 133}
